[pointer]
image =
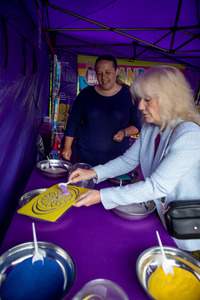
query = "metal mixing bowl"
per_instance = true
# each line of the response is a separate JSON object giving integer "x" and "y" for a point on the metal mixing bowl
{"x": 30, "y": 195}
{"x": 151, "y": 259}
{"x": 120, "y": 179}
{"x": 63, "y": 167}
{"x": 19, "y": 253}
{"x": 135, "y": 211}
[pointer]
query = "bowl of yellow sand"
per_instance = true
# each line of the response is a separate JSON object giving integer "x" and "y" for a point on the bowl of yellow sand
{"x": 184, "y": 284}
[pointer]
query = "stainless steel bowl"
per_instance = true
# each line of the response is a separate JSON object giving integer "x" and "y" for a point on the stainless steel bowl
{"x": 120, "y": 180}
{"x": 150, "y": 260}
{"x": 19, "y": 253}
{"x": 62, "y": 168}
{"x": 30, "y": 195}
{"x": 135, "y": 211}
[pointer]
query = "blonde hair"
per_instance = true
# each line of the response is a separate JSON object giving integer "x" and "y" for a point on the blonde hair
{"x": 175, "y": 96}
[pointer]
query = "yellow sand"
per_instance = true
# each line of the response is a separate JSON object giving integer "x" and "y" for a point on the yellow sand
{"x": 183, "y": 285}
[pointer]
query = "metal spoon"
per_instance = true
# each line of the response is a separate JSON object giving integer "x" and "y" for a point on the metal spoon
{"x": 50, "y": 165}
{"x": 167, "y": 268}
{"x": 37, "y": 255}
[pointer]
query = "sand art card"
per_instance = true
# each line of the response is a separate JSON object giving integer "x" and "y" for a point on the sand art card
{"x": 51, "y": 204}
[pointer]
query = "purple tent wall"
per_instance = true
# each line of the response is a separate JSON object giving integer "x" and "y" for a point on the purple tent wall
{"x": 24, "y": 100}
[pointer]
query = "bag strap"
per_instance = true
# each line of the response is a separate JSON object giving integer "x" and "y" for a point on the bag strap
{"x": 164, "y": 210}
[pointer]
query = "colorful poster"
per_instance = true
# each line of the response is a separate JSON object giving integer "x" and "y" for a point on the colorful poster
{"x": 128, "y": 70}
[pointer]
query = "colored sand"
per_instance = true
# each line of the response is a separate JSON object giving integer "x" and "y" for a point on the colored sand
{"x": 183, "y": 285}
{"x": 124, "y": 177}
{"x": 57, "y": 170}
{"x": 27, "y": 281}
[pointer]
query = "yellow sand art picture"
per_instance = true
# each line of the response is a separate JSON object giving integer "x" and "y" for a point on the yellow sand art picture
{"x": 51, "y": 204}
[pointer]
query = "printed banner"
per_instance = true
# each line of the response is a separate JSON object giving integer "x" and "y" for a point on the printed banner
{"x": 128, "y": 70}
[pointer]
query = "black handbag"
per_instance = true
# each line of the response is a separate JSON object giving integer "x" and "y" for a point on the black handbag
{"x": 182, "y": 217}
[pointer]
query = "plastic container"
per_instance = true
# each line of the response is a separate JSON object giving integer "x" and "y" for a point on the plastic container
{"x": 89, "y": 184}
{"x": 101, "y": 289}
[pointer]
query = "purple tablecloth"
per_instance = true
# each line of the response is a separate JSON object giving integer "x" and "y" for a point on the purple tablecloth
{"x": 101, "y": 244}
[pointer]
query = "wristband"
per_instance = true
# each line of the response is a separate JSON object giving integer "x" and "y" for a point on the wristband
{"x": 125, "y": 132}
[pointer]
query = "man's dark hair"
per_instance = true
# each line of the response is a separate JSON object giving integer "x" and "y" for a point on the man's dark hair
{"x": 107, "y": 57}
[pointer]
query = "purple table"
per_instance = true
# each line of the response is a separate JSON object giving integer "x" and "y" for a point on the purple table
{"x": 101, "y": 244}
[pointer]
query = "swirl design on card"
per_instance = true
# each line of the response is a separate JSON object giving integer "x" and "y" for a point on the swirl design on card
{"x": 54, "y": 200}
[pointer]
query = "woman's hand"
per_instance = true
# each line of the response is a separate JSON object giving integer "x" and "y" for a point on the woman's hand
{"x": 81, "y": 174}
{"x": 118, "y": 137}
{"x": 67, "y": 152}
{"x": 88, "y": 198}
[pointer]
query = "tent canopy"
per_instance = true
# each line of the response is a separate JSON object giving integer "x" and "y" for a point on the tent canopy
{"x": 166, "y": 31}
{"x": 157, "y": 31}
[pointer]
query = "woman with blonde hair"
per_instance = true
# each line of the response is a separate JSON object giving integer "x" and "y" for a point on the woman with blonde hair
{"x": 176, "y": 100}
{"x": 172, "y": 170}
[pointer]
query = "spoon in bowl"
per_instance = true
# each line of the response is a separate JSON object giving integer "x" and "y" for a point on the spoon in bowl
{"x": 167, "y": 268}
{"x": 37, "y": 255}
{"x": 50, "y": 165}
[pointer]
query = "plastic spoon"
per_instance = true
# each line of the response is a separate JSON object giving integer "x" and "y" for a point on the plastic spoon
{"x": 63, "y": 186}
{"x": 167, "y": 268}
{"x": 50, "y": 165}
{"x": 37, "y": 255}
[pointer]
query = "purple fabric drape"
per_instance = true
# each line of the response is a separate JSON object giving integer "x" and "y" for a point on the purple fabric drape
{"x": 24, "y": 100}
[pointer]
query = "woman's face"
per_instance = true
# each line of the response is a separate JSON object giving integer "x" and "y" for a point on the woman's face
{"x": 149, "y": 107}
{"x": 106, "y": 74}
